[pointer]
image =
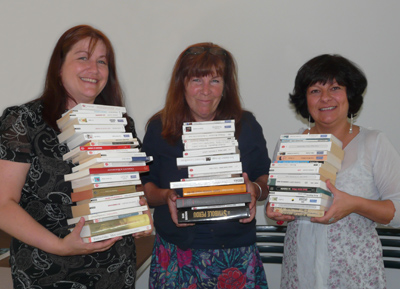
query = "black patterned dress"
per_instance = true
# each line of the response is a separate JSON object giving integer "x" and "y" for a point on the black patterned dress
{"x": 26, "y": 138}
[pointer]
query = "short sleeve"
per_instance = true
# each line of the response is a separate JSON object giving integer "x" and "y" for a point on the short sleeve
{"x": 14, "y": 135}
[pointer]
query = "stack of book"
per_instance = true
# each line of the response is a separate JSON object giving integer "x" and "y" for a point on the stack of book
{"x": 214, "y": 189}
{"x": 106, "y": 174}
{"x": 297, "y": 178}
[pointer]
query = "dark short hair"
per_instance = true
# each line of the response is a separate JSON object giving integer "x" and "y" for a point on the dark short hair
{"x": 327, "y": 68}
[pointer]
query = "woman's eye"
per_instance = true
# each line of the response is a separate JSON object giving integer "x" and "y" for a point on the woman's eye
{"x": 102, "y": 62}
{"x": 336, "y": 88}
{"x": 314, "y": 91}
{"x": 83, "y": 58}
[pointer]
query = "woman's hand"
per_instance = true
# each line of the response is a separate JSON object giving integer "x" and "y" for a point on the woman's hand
{"x": 254, "y": 191}
{"x": 343, "y": 205}
{"x": 279, "y": 217}
{"x": 171, "y": 201}
{"x": 143, "y": 202}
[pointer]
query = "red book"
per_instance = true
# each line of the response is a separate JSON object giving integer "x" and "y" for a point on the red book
{"x": 110, "y": 147}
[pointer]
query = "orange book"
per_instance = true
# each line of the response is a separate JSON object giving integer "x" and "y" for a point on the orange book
{"x": 214, "y": 190}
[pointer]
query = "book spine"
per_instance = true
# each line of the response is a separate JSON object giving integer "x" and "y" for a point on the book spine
{"x": 207, "y": 135}
{"x": 99, "y": 207}
{"x": 106, "y": 185}
{"x": 192, "y": 129}
{"x": 193, "y": 161}
{"x": 197, "y": 146}
{"x": 106, "y": 178}
{"x": 211, "y": 152}
{"x": 108, "y": 227}
{"x": 300, "y": 194}
{"x": 108, "y": 170}
{"x": 213, "y": 200}
{"x": 116, "y": 197}
{"x": 215, "y": 168}
{"x": 99, "y": 107}
{"x": 312, "y": 136}
{"x": 297, "y": 183}
{"x": 214, "y": 190}
{"x": 300, "y": 212}
{"x": 212, "y": 122}
{"x": 299, "y": 206}
{"x": 206, "y": 183}
{"x": 301, "y": 200}
{"x": 116, "y": 234}
{"x": 207, "y": 215}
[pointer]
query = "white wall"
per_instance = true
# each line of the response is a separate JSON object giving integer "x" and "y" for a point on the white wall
{"x": 269, "y": 39}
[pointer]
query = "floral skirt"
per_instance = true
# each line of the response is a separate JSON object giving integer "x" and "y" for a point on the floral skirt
{"x": 234, "y": 268}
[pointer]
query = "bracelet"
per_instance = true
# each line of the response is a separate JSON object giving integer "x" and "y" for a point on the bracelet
{"x": 261, "y": 192}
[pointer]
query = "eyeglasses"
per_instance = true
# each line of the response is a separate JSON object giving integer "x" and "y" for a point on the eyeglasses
{"x": 200, "y": 49}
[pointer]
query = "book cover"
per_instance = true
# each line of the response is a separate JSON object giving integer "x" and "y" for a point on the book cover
{"x": 106, "y": 170}
{"x": 214, "y": 190}
{"x": 95, "y": 193}
{"x": 99, "y": 207}
{"x": 99, "y": 217}
{"x": 203, "y": 160}
{"x": 209, "y": 215}
{"x": 206, "y": 182}
{"x": 95, "y": 229}
{"x": 213, "y": 200}
{"x": 104, "y": 178}
{"x": 215, "y": 168}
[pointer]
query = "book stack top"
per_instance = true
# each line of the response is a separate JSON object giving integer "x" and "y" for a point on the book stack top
{"x": 106, "y": 172}
{"x": 297, "y": 179}
{"x": 214, "y": 189}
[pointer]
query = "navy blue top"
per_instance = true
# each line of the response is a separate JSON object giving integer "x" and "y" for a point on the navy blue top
{"x": 163, "y": 170}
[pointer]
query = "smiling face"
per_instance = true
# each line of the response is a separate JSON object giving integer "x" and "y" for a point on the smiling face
{"x": 328, "y": 104}
{"x": 83, "y": 75}
{"x": 203, "y": 95}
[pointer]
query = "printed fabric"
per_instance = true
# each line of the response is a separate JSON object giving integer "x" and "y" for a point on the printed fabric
{"x": 234, "y": 268}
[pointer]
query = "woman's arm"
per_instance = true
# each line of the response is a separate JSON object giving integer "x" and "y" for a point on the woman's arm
{"x": 15, "y": 221}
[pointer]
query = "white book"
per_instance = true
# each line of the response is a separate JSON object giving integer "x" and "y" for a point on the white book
{"x": 211, "y": 151}
{"x": 77, "y": 129}
{"x": 68, "y": 118}
{"x": 104, "y": 178}
{"x": 208, "y": 145}
{"x": 107, "y": 185}
{"x": 239, "y": 172}
{"x": 312, "y": 146}
{"x": 84, "y": 149}
{"x": 119, "y": 159}
{"x": 99, "y": 207}
{"x": 87, "y": 155}
{"x": 326, "y": 202}
{"x": 116, "y": 234}
{"x": 300, "y": 194}
{"x": 109, "y": 198}
{"x": 107, "y": 165}
{"x": 290, "y": 182}
{"x": 216, "y": 176}
{"x": 295, "y": 176}
{"x": 290, "y": 164}
{"x": 94, "y": 121}
{"x": 209, "y": 140}
{"x": 207, "y": 136}
{"x": 82, "y": 139}
{"x": 96, "y": 107}
{"x": 299, "y": 206}
{"x": 193, "y": 129}
{"x": 215, "y": 168}
{"x": 211, "y": 122}
{"x": 191, "y": 161}
{"x": 284, "y": 137}
{"x": 206, "y": 183}
{"x": 96, "y": 218}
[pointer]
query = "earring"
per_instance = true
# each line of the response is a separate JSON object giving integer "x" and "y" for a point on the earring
{"x": 351, "y": 124}
{"x": 309, "y": 124}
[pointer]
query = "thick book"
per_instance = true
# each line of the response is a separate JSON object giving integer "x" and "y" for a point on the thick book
{"x": 324, "y": 201}
{"x": 214, "y": 190}
{"x": 217, "y": 159}
{"x": 211, "y": 151}
{"x": 82, "y": 139}
{"x": 100, "y": 217}
{"x": 311, "y": 137}
{"x": 96, "y": 108}
{"x": 215, "y": 168}
{"x": 207, "y": 135}
{"x": 107, "y": 165}
{"x": 108, "y": 170}
{"x": 300, "y": 212}
{"x": 66, "y": 119}
{"x": 206, "y": 183}
{"x": 95, "y": 229}
{"x": 77, "y": 129}
{"x": 289, "y": 182}
{"x": 312, "y": 146}
{"x": 94, "y": 121}
{"x": 116, "y": 234}
{"x": 213, "y": 200}
{"x": 321, "y": 194}
{"x": 110, "y": 197}
{"x": 99, "y": 207}
{"x": 104, "y": 178}
{"x": 208, "y": 145}
{"x": 208, "y": 128}
{"x": 186, "y": 215}
{"x": 107, "y": 185}
{"x": 95, "y": 193}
